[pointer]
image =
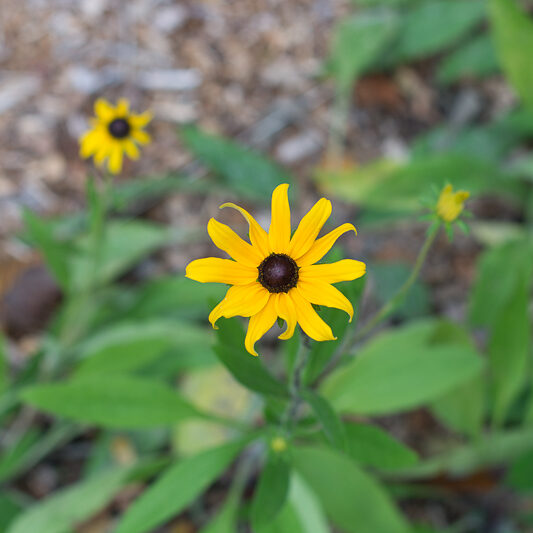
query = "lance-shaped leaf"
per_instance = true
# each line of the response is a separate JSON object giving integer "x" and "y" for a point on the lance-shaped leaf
{"x": 111, "y": 400}
{"x": 399, "y": 370}
{"x": 245, "y": 368}
{"x": 178, "y": 487}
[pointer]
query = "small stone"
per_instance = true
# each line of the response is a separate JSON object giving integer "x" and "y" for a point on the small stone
{"x": 30, "y": 303}
{"x": 51, "y": 168}
{"x": 170, "y": 80}
{"x": 174, "y": 111}
{"x": 169, "y": 18}
{"x": 396, "y": 149}
{"x": 93, "y": 8}
{"x": 298, "y": 147}
{"x": 88, "y": 81}
{"x": 283, "y": 73}
{"x": 16, "y": 89}
{"x": 7, "y": 187}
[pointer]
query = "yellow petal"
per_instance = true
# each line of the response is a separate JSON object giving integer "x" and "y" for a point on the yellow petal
{"x": 228, "y": 241}
{"x": 311, "y": 323}
{"x": 115, "y": 159}
{"x": 89, "y": 143}
{"x": 258, "y": 236}
{"x": 279, "y": 234}
{"x": 141, "y": 136}
{"x": 260, "y": 323}
{"x": 104, "y": 110}
{"x": 345, "y": 270}
{"x": 286, "y": 310}
{"x": 241, "y": 300}
{"x": 140, "y": 121}
{"x": 123, "y": 107}
{"x": 217, "y": 312}
{"x": 216, "y": 270}
{"x": 323, "y": 245}
{"x": 309, "y": 228}
{"x": 131, "y": 149}
{"x": 321, "y": 293}
{"x": 101, "y": 154}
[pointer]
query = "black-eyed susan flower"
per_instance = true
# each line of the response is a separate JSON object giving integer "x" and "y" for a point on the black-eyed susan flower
{"x": 115, "y": 132}
{"x": 276, "y": 275}
{"x": 450, "y": 204}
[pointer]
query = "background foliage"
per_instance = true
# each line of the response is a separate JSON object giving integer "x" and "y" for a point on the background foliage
{"x": 187, "y": 420}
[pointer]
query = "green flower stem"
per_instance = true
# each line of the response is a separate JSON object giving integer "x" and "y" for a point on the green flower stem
{"x": 98, "y": 226}
{"x": 399, "y": 297}
{"x": 295, "y": 386}
{"x": 99, "y": 202}
{"x": 388, "y": 308}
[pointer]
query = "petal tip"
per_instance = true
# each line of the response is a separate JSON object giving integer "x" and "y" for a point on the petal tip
{"x": 282, "y": 186}
{"x": 252, "y": 351}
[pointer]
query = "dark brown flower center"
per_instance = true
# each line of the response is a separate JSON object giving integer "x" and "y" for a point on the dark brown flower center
{"x": 119, "y": 128}
{"x": 278, "y": 273}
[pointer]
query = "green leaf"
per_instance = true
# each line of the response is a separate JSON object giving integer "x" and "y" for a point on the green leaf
{"x": 149, "y": 189}
{"x": 66, "y": 508}
{"x": 55, "y": 252}
{"x": 177, "y": 488}
{"x": 114, "y": 400}
{"x": 389, "y": 186}
{"x": 245, "y": 368}
{"x": 328, "y": 418}
{"x": 130, "y": 346}
{"x": 271, "y": 491}
{"x": 125, "y": 243}
{"x": 371, "y": 446}
{"x": 509, "y": 349}
{"x": 520, "y": 475}
{"x": 302, "y": 512}
{"x": 493, "y": 449}
{"x": 513, "y": 35}
{"x": 174, "y": 296}
{"x": 9, "y": 509}
{"x": 352, "y": 499}
{"x": 245, "y": 171}
{"x": 487, "y": 297}
{"x": 388, "y": 278}
{"x": 31, "y": 447}
{"x": 475, "y": 59}
{"x": 489, "y": 142}
{"x": 423, "y": 32}
{"x": 463, "y": 408}
{"x": 357, "y": 43}
{"x": 399, "y": 370}
{"x": 226, "y": 520}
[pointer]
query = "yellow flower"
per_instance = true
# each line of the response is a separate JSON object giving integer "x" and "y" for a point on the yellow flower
{"x": 115, "y": 132}
{"x": 275, "y": 276}
{"x": 278, "y": 444}
{"x": 450, "y": 204}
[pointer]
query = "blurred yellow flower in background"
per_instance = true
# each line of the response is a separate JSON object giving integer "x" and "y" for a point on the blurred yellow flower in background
{"x": 276, "y": 275}
{"x": 115, "y": 132}
{"x": 450, "y": 204}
